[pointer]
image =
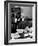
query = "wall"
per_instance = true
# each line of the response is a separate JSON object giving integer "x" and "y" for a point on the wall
{"x": 27, "y": 11}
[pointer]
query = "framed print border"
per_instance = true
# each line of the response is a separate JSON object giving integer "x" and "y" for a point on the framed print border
{"x": 6, "y": 22}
